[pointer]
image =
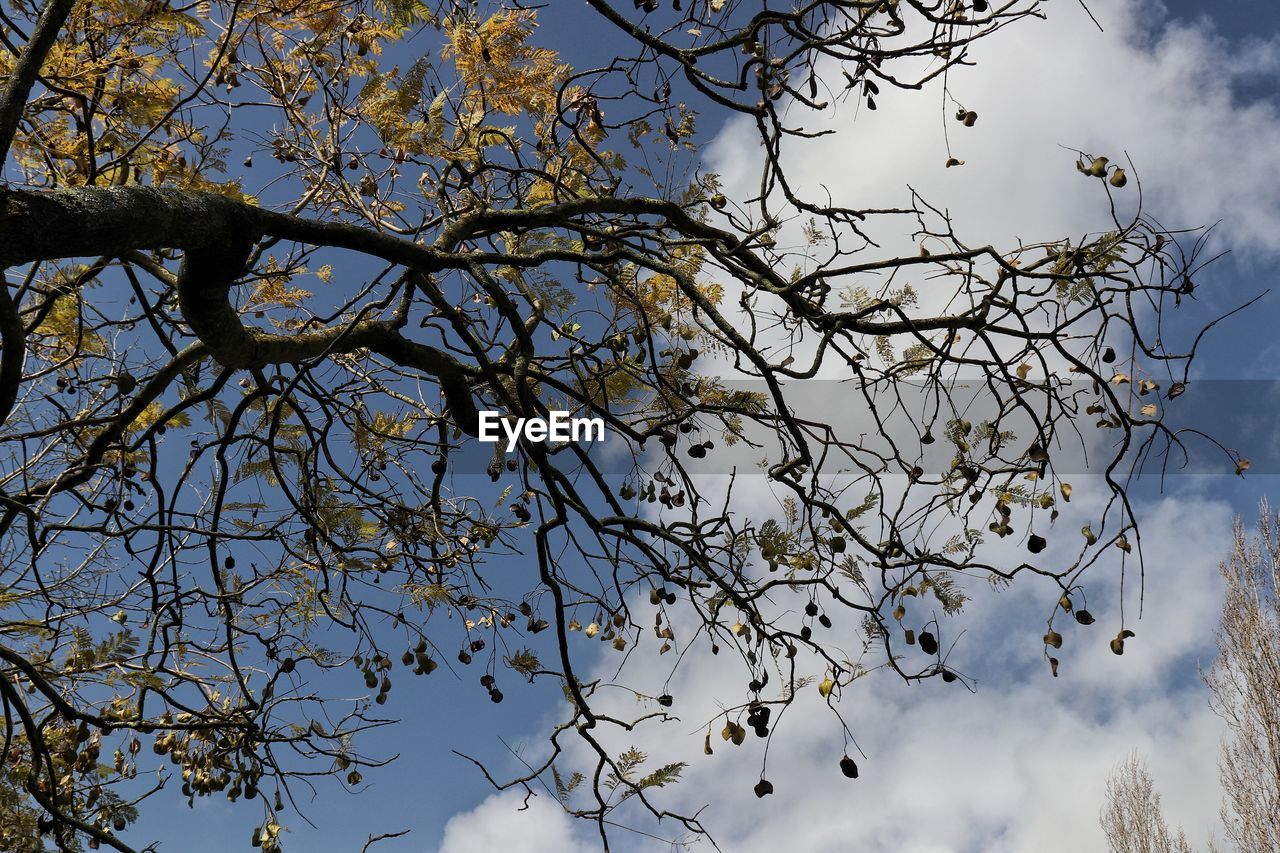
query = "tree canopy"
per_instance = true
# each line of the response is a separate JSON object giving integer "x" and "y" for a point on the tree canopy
{"x": 267, "y": 262}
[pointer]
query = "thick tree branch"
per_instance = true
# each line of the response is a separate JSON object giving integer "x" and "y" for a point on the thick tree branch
{"x": 13, "y": 98}
{"x": 216, "y": 234}
{"x": 13, "y": 354}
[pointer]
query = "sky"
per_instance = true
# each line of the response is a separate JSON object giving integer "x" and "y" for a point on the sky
{"x": 1188, "y": 92}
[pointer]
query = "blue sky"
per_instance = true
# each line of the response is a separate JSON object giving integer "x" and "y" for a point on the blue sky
{"x": 1188, "y": 90}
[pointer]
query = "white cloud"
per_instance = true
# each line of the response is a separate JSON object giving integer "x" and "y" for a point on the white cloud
{"x": 1163, "y": 95}
{"x": 1017, "y": 765}
{"x": 1020, "y": 764}
{"x": 504, "y": 822}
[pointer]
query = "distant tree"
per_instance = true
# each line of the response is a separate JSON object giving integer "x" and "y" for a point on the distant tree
{"x": 267, "y": 262}
{"x": 1132, "y": 819}
{"x": 1244, "y": 682}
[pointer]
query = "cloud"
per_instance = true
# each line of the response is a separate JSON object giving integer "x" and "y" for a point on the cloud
{"x": 1166, "y": 95}
{"x": 1019, "y": 764}
{"x": 501, "y": 823}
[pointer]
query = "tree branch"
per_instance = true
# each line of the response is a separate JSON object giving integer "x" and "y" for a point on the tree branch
{"x": 14, "y": 96}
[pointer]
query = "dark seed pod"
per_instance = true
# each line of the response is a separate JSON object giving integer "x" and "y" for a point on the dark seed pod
{"x": 928, "y": 643}
{"x": 849, "y": 767}
{"x": 763, "y": 788}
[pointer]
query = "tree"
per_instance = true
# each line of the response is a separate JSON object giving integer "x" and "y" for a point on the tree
{"x": 1244, "y": 683}
{"x": 240, "y": 404}
{"x": 1131, "y": 818}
